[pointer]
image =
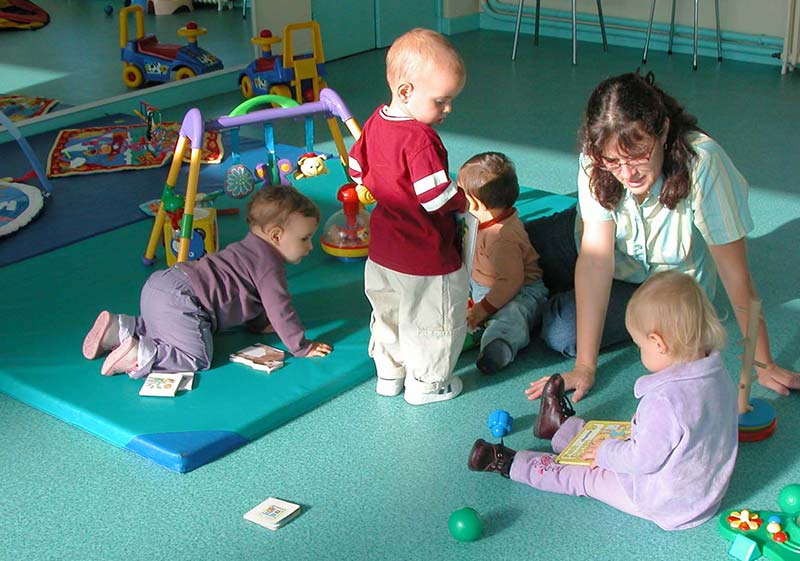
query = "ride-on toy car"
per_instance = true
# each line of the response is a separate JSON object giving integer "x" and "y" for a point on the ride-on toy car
{"x": 144, "y": 59}
{"x": 281, "y": 74}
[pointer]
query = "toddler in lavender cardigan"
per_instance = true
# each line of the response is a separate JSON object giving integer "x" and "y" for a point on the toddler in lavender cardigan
{"x": 675, "y": 467}
{"x": 244, "y": 284}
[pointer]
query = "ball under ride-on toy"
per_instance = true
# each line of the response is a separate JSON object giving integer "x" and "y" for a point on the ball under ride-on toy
{"x": 465, "y": 524}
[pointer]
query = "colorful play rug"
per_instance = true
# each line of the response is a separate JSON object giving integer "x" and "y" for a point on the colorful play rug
{"x": 121, "y": 147}
{"x": 22, "y": 14}
{"x": 21, "y": 107}
{"x": 56, "y": 297}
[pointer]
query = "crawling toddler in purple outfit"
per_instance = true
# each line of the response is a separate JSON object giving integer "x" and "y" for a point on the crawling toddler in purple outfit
{"x": 244, "y": 284}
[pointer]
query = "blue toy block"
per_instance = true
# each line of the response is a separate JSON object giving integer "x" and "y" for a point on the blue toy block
{"x": 142, "y": 3}
{"x": 744, "y": 549}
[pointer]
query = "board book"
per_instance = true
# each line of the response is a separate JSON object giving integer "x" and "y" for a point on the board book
{"x": 167, "y": 384}
{"x": 259, "y": 356}
{"x": 273, "y": 513}
{"x": 592, "y": 431}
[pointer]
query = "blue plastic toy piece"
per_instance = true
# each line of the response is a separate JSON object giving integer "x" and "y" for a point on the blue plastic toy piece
{"x": 762, "y": 414}
{"x": 744, "y": 549}
{"x": 499, "y": 423}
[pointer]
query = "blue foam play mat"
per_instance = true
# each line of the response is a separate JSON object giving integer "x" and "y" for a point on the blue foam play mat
{"x": 52, "y": 299}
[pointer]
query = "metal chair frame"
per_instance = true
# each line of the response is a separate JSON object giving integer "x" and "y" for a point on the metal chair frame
{"x": 574, "y": 29}
{"x": 672, "y": 31}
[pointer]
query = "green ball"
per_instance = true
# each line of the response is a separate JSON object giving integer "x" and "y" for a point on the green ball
{"x": 789, "y": 499}
{"x": 465, "y": 525}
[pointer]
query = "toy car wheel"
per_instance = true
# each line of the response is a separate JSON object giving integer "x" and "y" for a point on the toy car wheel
{"x": 247, "y": 87}
{"x": 281, "y": 90}
{"x": 183, "y": 73}
{"x": 132, "y": 76}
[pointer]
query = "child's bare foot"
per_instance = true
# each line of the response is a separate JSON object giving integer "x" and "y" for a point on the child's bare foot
{"x": 102, "y": 337}
{"x": 122, "y": 359}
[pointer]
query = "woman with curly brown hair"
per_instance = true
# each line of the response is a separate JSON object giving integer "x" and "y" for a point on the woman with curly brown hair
{"x": 655, "y": 192}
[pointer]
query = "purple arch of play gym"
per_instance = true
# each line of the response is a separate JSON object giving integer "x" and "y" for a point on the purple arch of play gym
{"x": 192, "y": 128}
{"x": 329, "y": 102}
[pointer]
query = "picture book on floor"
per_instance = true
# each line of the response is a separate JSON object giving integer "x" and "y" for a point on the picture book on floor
{"x": 259, "y": 356}
{"x": 167, "y": 384}
{"x": 592, "y": 431}
{"x": 273, "y": 513}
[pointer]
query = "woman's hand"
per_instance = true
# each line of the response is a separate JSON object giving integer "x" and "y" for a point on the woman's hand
{"x": 778, "y": 379}
{"x": 318, "y": 349}
{"x": 580, "y": 379}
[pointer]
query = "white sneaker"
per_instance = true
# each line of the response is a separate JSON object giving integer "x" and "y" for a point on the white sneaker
{"x": 415, "y": 396}
{"x": 389, "y": 387}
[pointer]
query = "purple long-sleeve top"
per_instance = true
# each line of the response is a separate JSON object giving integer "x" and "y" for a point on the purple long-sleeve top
{"x": 678, "y": 462}
{"x": 245, "y": 283}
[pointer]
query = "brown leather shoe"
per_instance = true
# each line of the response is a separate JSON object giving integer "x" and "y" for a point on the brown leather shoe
{"x": 490, "y": 457}
{"x": 554, "y": 408}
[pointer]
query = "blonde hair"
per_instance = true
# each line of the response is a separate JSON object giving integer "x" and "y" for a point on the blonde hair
{"x": 272, "y": 206}
{"x": 673, "y": 304}
{"x": 421, "y": 50}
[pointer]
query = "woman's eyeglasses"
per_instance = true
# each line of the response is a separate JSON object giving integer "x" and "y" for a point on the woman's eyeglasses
{"x": 612, "y": 165}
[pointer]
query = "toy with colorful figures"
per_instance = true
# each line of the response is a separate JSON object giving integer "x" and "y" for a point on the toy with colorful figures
{"x": 346, "y": 233}
{"x": 144, "y": 59}
{"x": 311, "y": 164}
{"x": 191, "y": 134}
{"x": 772, "y": 535}
{"x": 298, "y": 76}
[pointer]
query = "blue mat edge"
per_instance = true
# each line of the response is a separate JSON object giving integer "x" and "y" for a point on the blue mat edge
{"x": 185, "y": 451}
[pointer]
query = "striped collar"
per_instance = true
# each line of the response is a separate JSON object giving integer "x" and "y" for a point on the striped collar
{"x": 384, "y": 113}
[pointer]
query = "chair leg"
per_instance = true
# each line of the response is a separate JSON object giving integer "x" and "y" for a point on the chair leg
{"x": 536, "y": 24}
{"x": 671, "y": 28}
{"x": 602, "y": 25}
{"x": 516, "y": 30}
{"x": 696, "y": 14}
{"x": 719, "y": 35}
{"x": 574, "y": 33}
{"x": 649, "y": 31}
